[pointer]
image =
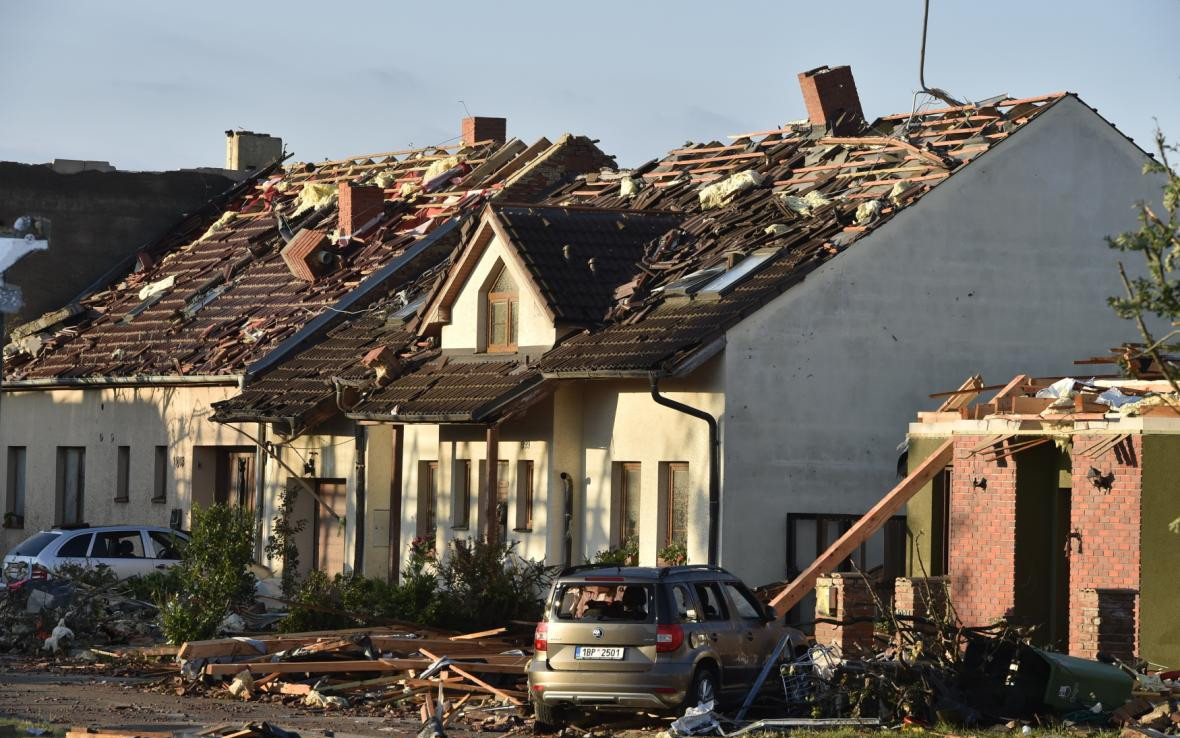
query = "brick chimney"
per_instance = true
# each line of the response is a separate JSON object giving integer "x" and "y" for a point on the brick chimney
{"x": 831, "y": 99}
{"x": 478, "y": 128}
{"x": 358, "y": 204}
{"x": 307, "y": 255}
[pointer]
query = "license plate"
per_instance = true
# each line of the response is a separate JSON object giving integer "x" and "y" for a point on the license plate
{"x": 598, "y": 652}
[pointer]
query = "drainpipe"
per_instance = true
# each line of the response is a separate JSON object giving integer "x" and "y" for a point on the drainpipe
{"x": 567, "y": 536}
{"x": 358, "y": 526}
{"x": 260, "y": 460}
{"x": 714, "y": 461}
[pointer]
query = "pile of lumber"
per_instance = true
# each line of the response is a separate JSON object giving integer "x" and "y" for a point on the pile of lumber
{"x": 439, "y": 674}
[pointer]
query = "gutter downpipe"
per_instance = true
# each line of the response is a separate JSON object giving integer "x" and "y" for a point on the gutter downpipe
{"x": 360, "y": 447}
{"x": 714, "y": 461}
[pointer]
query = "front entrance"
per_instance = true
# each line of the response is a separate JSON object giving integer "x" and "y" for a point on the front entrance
{"x": 234, "y": 481}
{"x": 1043, "y": 504}
{"x": 321, "y": 541}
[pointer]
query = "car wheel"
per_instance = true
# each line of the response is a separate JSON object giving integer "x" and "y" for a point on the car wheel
{"x": 705, "y": 687}
{"x": 549, "y": 718}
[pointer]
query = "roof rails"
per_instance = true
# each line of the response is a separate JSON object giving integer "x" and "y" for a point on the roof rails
{"x": 665, "y": 571}
{"x": 73, "y": 526}
{"x": 586, "y": 567}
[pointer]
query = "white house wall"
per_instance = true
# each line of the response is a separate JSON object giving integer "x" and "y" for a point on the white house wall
{"x": 1002, "y": 269}
{"x": 467, "y": 325}
{"x": 101, "y": 420}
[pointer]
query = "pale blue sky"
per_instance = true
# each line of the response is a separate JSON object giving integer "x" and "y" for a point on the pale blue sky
{"x": 149, "y": 84}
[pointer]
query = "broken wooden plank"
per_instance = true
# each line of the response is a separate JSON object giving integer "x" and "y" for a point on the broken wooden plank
{"x": 868, "y": 524}
{"x": 967, "y": 393}
{"x": 480, "y": 634}
{"x": 476, "y": 680}
{"x": 343, "y": 667}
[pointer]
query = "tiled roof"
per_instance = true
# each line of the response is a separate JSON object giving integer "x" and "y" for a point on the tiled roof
{"x": 578, "y": 256}
{"x": 217, "y": 304}
{"x": 443, "y": 388}
{"x": 798, "y": 194}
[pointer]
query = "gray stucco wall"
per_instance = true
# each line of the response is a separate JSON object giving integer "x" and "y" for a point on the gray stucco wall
{"x": 96, "y": 219}
{"x": 1002, "y": 269}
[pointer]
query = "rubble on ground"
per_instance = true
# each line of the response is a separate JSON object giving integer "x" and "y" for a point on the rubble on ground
{"x": 61, "y": 615}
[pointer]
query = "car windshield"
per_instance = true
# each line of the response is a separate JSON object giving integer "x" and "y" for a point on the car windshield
{"x": 632, "y": 603}
{"x": 35, "y": 544}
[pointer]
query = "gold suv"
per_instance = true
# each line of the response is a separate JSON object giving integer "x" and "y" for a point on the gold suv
{"x": 641, "y": 637}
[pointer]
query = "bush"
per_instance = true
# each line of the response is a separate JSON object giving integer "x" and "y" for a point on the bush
{"x": 155, "y": 587}
{"x": 627, "y": 555}
{"x": 213, "y": 575}
{"x": 475, "y": 587}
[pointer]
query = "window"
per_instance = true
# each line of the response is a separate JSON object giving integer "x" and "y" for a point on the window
{"x": 600, "y": 602}
{"x": 119, "y": 544}
{"x": 35, "y": 544}
{"x": 675, "y": 504}
{"x": 164, "y": 545}
{"x": 743, "y": 603}
{"x": 160, "y": 481}
{"x": 524, "y": 495}
{"x": 881, "y": 557}
{"x": 502, "y": 499}
{"x": 726, "y": 281}
{"x": 712, "y": 604}
{"x": 123, "y": 474}
{"x": 76, "y": 548}
{"x": 427, "y": 490}
{"x": 626, "y": 513}
{"x": 14, "y": 497}
{"x": 461, "y": 495}
{"x": 503, "y": 308}
{"x": 685, "y": 611}
{"x": 71, "y": 484}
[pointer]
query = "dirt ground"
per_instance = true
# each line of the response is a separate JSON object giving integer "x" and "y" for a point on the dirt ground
{"x": 118, "y": 702}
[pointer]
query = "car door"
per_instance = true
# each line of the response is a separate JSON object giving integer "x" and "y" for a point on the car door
{"x": 123, "y": 551}
{"x": 163, "y": 548}
{"x": 719, "y": 628}
{"x": 756, "y": 638}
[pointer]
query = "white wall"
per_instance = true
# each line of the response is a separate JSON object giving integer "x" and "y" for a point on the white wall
{"x": 467, "y": 325}
{"x": 622, "y": 423}
{"x": 101, "y": 420}
{"x": 1002, "y": 269}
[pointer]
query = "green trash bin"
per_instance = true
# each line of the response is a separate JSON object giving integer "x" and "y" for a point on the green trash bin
{"x": 1067, "y": 683}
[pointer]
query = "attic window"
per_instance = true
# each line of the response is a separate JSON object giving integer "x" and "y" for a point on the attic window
{"x": 503, "y": 308}
{"x": 726, "y": 282}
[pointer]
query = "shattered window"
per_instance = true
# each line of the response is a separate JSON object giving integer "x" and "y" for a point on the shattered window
{"x": 712, "y": 605}
{"x": 599, "y": 602}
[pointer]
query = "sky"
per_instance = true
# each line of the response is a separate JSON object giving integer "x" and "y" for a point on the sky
{"x": 153, "y": 84}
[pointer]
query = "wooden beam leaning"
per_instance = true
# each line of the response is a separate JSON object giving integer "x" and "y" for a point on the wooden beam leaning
{"x": 868, "y": 524}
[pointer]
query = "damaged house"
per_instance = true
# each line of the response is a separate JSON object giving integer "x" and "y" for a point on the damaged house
{"x": 710, "y": 355}
{"x": 107, "y": 403}
{"x": 1055, "y": 507}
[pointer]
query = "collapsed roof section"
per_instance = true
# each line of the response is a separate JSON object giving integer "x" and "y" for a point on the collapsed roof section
{"x": 762, "y": 211}
{"x": 287, "y": 258}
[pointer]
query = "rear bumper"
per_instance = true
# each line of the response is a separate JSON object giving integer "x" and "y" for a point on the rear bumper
{"x": 657, "y": 689}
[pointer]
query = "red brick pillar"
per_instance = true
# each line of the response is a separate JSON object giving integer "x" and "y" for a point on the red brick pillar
{"x": 1107, "y": 623}
{"x": 923, "y": 597}
{"x": 1104, "y": 545}
{"x": 982, "y": 541}
{"x": 841, "y": 597}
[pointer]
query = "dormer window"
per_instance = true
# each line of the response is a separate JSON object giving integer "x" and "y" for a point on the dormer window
{"x": 503, "y": 308}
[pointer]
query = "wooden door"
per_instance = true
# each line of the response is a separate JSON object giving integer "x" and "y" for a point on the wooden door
{"x": 329, "y": 531}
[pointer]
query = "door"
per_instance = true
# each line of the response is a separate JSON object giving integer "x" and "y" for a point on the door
{"x": 163, "y": 548}
{"x": 719, "y": 628}
{"x": 329, "y": 531}
{"x": 756, "y": 638}
{"x": 234, "y": 484}
{"x": 1059, "y": 602}
{"x": 122, "y": 551}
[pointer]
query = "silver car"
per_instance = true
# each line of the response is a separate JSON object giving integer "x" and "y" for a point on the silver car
{"x": 128, "y": 550}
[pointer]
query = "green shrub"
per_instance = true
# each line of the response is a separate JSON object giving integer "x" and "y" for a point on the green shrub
{"x": 280, "y": 544}
{"x": 213, "y": 575}
{"x": 155, "y": 587}
{"x": 475, "y": 587}
{"x": 626, "y": 555}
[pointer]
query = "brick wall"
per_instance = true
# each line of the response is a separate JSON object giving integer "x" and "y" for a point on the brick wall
{"x": 841, "y": 597}
{"x": 1107, "y": 623}
{"x": 982, "y": 536}
{"x": 923, "y": 597}
{"x": 1105, "y": 555}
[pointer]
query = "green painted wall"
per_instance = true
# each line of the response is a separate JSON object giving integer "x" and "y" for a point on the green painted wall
{"x": 924, "y": 542}
{"x": 1159, "y": 592}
